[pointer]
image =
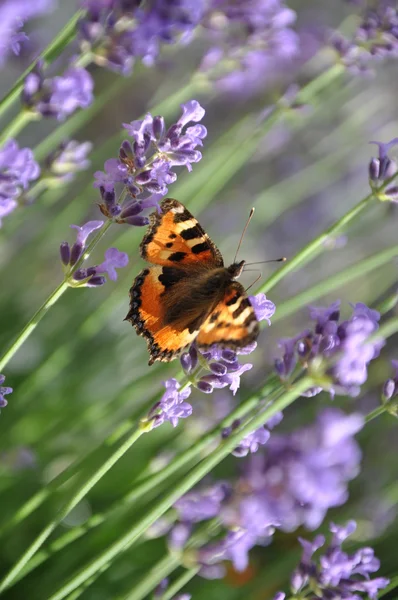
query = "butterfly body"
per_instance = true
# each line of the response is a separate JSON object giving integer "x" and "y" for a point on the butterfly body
{"x": 188, "y": 293}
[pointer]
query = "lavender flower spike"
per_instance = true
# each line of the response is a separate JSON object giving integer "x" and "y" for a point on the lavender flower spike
{"x": 345, "y": 345}
{"x": 59, "y": 96}
{"x": 171, "y": 407}
{"x": 3, "y": 391}
{"x": 17, "y": 169}
{"x": 146, "y": 163}
{"x": 336, "y": 574}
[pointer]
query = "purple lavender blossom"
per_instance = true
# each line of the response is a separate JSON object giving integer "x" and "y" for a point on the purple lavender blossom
{"x": 263, "y": 308}
{"x": 171, "y": 407}
{"x": 382, "y": 169}
{"x": 225, "y": 367}
{"x": 376, "y": 37}
{"x": 118, "y": 33}
{"x": 343, "y": 345}
{"x": 59, "y": 96}
{"x": 305, "y": 473}
{"x": 336, "y": 574}
{"x": 292, "y": 483}
{"x": 196, "y": 506}
{"x": 91, "y": 276}
{"x": 145, "y": 165}
{"x": 256, "y": 37}
{"x": 252, "y": 442}
{"x": 69, "y": 158}
{"x": 13, "y": 15}
{"x": 3, "y": 392}
{"x": 17, "y": 169}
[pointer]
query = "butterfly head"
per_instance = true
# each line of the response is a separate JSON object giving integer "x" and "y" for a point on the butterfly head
{"x": 236, "y": 269}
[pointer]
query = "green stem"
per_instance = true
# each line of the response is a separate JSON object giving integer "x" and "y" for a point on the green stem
{"x": 16, "y": 125}
{"x": 312, "y": 249}
{"x": 32, "y": 324}
{"x": 53, "y": 50}
{"x": 311, "y": 89}
{"x": 141, "y": 488}
{"x": 154, "y": 576}
{"x": 375, "y": 413}
{"x": 179, "y": 583}
{"x": 184, "y": 485}
{"x": 324, "y": 287}
{"x": 53, "y": 297}
{"x": 68, "y": 507}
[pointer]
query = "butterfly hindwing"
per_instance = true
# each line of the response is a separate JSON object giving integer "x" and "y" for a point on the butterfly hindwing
{"x": 151, "y": 304}
{"x": 175, "y": 237}
{"x": 232, "y": 323}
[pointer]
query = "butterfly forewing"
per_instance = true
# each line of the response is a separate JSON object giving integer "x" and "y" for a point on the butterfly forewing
{"x": 174, "y": 236}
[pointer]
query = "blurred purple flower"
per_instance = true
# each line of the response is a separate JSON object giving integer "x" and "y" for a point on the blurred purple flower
{"x": 69, "y": 158}
{"x": 3, "y": 392}
{"x": 17, "y": 169}
{"x": 305, "y": 473}
{"x": 344, "y": 345}
{"x": 196, "y": 506}
{"x": 172, "y": 406}
{"x": 59, "y": 96}
{"x": 293, "y": 483}
{"x": 256, "y": 37}
{"x": 336, "y": 574}
{"x": 120, "y": 32}
{"x": 375, "y": 38}
{"x": 13, "y": 15}
{"x": 263, "y": 308}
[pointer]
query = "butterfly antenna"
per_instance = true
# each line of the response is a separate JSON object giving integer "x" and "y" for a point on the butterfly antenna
{"x": 243, "y": 233}
{"x": 254, "y": 282}
{"x": 282, "y": 259}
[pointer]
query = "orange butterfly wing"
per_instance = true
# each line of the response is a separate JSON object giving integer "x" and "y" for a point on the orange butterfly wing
{"x": 232, "y": 323}
{"x": 183, "y": 252}
{"x": 175, "y": 236}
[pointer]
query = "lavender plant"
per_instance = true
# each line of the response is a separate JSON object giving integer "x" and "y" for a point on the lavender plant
{"x": 130, "y": 495}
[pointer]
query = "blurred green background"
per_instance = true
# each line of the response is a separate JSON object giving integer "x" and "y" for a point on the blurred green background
{"x": 84, "y": 371}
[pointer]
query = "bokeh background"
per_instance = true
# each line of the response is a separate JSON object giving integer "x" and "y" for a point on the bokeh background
{"x": 84, "y": 371}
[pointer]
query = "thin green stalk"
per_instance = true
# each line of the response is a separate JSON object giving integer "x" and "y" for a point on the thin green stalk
{"x": 179, "y": 583}
{"x": 331, "y": 283}
{"x": 65, "y": 36}
{"x": 144, "y": 487}
{"x": 51, "y": 300}
{"x": 154, "y": 576}
{"x": 311, "y": 89}
{"x": 313, "y": 248}
{"x": 68, "y": 507}
{"x": 16, "y": 125}
{"x": 183, "y": 486}
{"x": 375, "y": 413}
{"x": 171, "y": 561}
{"x": 32, "y": 324}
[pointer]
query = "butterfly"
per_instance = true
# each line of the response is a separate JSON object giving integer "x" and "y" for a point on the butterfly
{"x": 187, "y": 293}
